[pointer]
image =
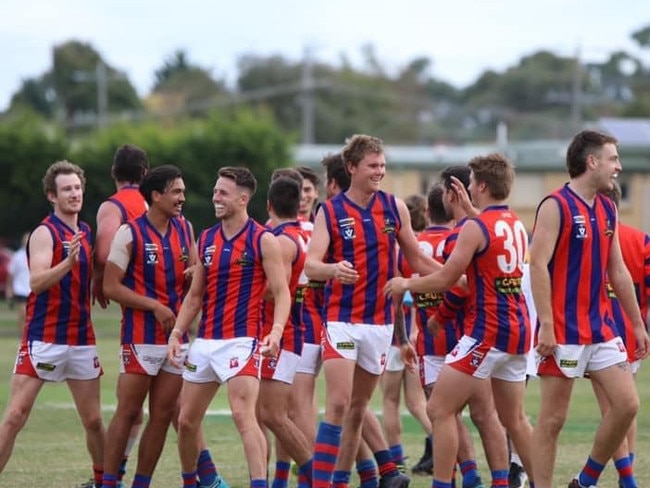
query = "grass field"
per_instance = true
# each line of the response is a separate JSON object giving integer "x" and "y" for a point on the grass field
{"x": 50, "y": 451}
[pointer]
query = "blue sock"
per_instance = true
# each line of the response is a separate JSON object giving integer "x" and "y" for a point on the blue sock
{"x": 326, "y": 449}
{"x": 626, "y": 477}
{"x": 109, "y": 480}
{"x": 281, "y": 475}
{"x": 141, "y": 481}
{"x": 397, "y": 453}
{"x": 500, "y": 476}
{"x": 469, "y": 472}
{"x": 368, "y": 475}
{"x": 341, "y": 478}
{"x": 590, "y": 473}
{"x": 259, "y": 484}
{"x": 440, "y": 484}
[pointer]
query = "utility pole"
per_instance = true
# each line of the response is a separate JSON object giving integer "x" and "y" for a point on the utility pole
{"x": 101, "y": 77}
{"x": 576, "y": 93}
{"x": 307, "y": 97}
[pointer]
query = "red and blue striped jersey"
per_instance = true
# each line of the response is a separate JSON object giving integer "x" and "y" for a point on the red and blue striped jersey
{"x": 61, "y": 314}
{"x": 582, "y": 311}
{"x": 635, "y": 247}
{"x": 129, "y": 201}
{"x": 235, "y": 282}
{"x": 156, "y": 270}
{"x": 367, "y": 238}
{"x": 292, "y": 337}
{"x": 497, "y": 314}
{"x": 432, "y": 243}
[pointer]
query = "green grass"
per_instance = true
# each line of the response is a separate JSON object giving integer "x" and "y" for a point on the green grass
{"x": 50, "y": 451}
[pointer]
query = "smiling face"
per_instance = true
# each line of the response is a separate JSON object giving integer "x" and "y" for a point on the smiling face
{"x": 367, "y": 175}
{"x": 68, "y": 198}
{"x": 227, "y": 198}
{"x": 309, "y": 194}
{"x": 172, "y": 199}
{"x": 606, "y": 166}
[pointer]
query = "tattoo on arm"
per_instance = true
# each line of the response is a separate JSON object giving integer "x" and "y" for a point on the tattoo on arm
{"x": 400, "y": 326}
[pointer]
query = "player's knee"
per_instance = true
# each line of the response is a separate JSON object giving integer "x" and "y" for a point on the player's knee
{"x": 93, "y": 422}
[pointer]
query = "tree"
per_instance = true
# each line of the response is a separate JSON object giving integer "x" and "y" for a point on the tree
{"x": 185, "y": 88}
{"x": 36, "y": 95}
{"x": 77, "y": 80}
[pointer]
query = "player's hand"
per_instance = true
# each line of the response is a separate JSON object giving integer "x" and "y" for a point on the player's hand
{"x": 546, "y": 342}
{"x": 643, "y": 344}
{"x": 433, "y": 325}
{"x": 270, "y": 346}
{"x": 463, "y": 197}
{"x": 74, "y": 249}
{"x": 396, "y": 286}
{"x": 164, "y": 316}
{"x": 345, "y": 273}
{"x": 409, "y": 356}
{"x": 98, "y": 294}
{"x": 174, "y": 349}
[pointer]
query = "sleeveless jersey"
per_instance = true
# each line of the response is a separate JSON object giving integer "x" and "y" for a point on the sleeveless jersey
{"x": 432, "y": 243}
{"x": 635, "y": 247}
{"x": 130, "y": 202}
{"x": 156, "y": 271}
{"x": 292, "y": 336}
{"x": 497, "y": 315}
{"x": 61, "y": 314}
{"x": 235, "y": 282}
{"x": 367, "y": 238}
{"x": 582, "y": 311}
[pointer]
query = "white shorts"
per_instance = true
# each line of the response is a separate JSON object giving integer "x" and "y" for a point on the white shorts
{"x": 283, "y": 368}
{"x": 574, "y": 360}
{"x": 310, "y": 359}
{"x": 57, "y": 362}
{"x": 481, "y": 361}
{"x": 218, "y": 360}
{"x": 635, "y": 366}
{"x": 149, "y": 359}
{"x": 394, "y": 362}
{"x": 430, "y": 367}
{"x": 366, "y": 344}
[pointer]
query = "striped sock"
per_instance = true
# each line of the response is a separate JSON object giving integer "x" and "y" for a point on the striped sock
{"x": 397, "y": 453}
{"x": 281, "y": 475}
{"x": 189, "y": 480}
{"x": 109, "y": 480}
{"x": 98, "y": 475}
{"x": 326, "y": 450}
{"x": 341, "y": 479}
{"x": 470, "y": 473}
{"x": 367, "y": 471}
{"x": 386, "y": 466}
{"x": 259, "y": 484}
{"x": 304, "y": 474}
{"x": 590, "y": 473}
{"x": 626, "y": 477}
{"x": 205, "y": 468}
{"x": 499, "y": 478}
{"x": 141, "y": 481}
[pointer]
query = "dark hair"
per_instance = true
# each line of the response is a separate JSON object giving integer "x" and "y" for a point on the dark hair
{"x": 284, "y": 197}
{"x": 584, "y": 144}
{"x": 158, "y": 179}
{"x": 130, "y": 164}
{"x": 458, "y": 171}
{"x": 417, "y": 206}
{"x": 496, "y": 172}
{"x": 309, "y": 174}
{"x": 358, "y": 146}
{"x": 61, "y": 168}
{"x": 436, "y": 207}
{"x": 242, "y": 177}
{"x": 336, "y": 171}
{"x": 292, "y": 173}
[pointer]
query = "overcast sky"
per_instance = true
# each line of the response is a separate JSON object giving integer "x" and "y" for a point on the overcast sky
{"x": 462, "y": 37}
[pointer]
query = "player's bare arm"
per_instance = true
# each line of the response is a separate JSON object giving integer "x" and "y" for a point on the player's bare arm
{"x": 42, "y": 275}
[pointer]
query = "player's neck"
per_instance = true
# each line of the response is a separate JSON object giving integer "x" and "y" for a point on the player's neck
{"x": 158, "y": 220}
{"x": 233, "y": 224}
{"x": 69, "y": 219}
{"x": 360, "y": 197}
{"x": 120, "y": 185}
{"x": 585, "y": 191}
